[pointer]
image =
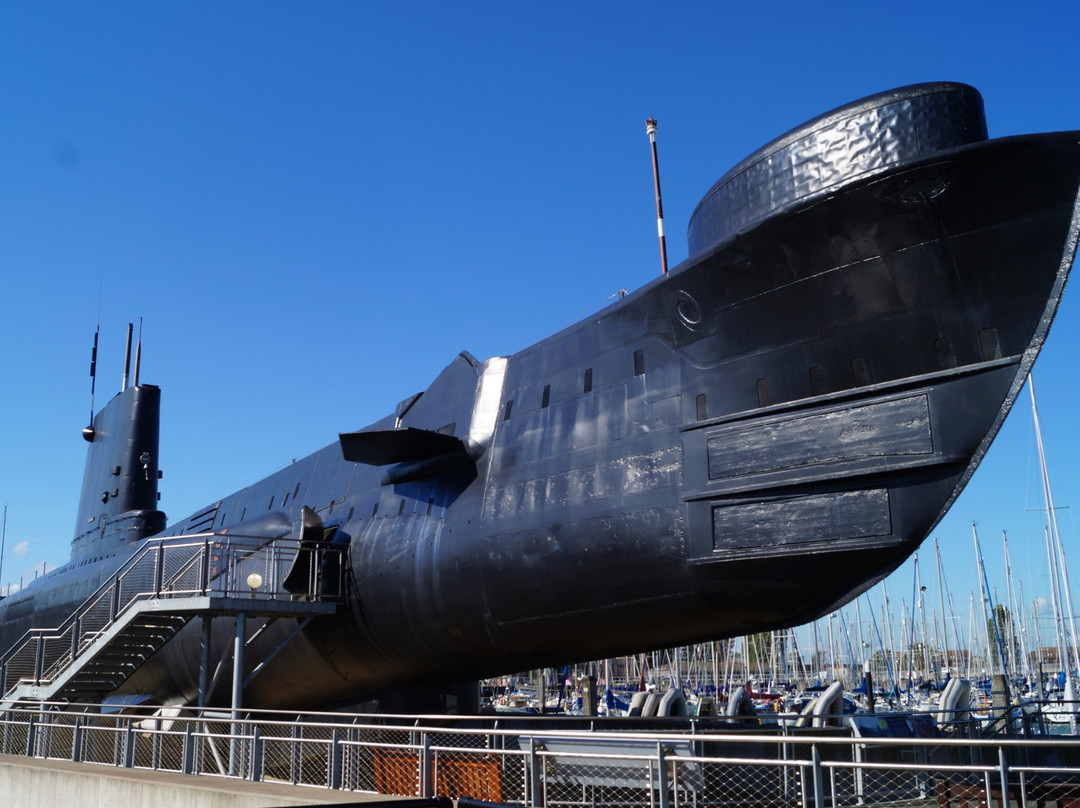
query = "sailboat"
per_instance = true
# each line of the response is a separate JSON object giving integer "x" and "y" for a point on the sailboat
{"x": 1065, "y": 709}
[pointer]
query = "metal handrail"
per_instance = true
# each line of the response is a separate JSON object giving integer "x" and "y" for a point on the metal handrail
{"x": 525, "y": 756}
{"x": 216, "y": 562}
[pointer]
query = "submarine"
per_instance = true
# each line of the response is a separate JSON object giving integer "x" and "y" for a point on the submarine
{"x": 745, "y": 443}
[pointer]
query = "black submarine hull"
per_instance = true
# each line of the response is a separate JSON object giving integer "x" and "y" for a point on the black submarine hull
{"x": 808, "y": 407}
{"x": 743, "y": 444}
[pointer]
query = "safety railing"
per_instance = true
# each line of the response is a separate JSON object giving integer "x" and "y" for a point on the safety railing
{"x": 172, "y": 569}
{"x": 530, "y": 763}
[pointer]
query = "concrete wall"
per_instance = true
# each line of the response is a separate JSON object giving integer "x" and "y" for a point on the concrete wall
{"x": 35, "y": 783}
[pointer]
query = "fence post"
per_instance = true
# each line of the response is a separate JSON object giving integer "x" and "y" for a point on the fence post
{"x": 114, "y": 601}
{"x": 76, "y": 628}
{"x": 39, "y": 659}
{"x": 818, "y": 779}
{"x": 31, "y": 736}
{"x": 188, "y": 762}
{"x": 425, "y": 766}
{"x": 256, "y": 755}
{"x": 335, "y": 761}
{"x": 129, "y": 746}
{"x": 536, "y": 791}
{"x": 1003, "y": 768}
{"x": 159, "y": 573}
{"x": 661, "y": 775}
{"x": 294, "y": 756}
{"x": 860, "y": 785}
{"x": 77, "y": 742}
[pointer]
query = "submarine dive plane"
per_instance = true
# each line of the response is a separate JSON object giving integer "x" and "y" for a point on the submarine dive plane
{"x": 745, "y": 443}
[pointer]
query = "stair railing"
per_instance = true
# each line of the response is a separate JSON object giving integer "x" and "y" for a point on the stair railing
{"x": 185, "y": 566}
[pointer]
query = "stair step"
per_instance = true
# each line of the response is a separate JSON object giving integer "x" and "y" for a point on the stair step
{"x": 102, "y": 665}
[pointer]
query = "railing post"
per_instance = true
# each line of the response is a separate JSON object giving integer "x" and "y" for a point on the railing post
{"x": 31, "y": 736}
{"x": 661, "y": 776}
{"x": 536, "y": 791}
{"x": 159, "y": 573}
{"x": 860, "y": 786}
{"x": 204, "y": 568}
{"x": 77, "y": 742}
{"x": 76, "y": 627}
{"x": 129, "y": 746}
{"x": 818, "y": 780}
{"x": 188, "y": 762}
{"x": 114, "y": 601}
{"x": 256, "y": 755}
{"x": 335, "y": 760}
{"x": 39, "y": 659}
{"x": 1003, "y": 768}
{"x": 294, "y": 756}
{"x": 426, "y": 786}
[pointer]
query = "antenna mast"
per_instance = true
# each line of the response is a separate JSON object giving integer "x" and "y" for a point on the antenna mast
{"x": 93, "y": 372}
{"x": 127, "y": 359}
{"x": 138, "y": 354}
{"x": 3, "y": 543}
{"x": 650, "y": 129}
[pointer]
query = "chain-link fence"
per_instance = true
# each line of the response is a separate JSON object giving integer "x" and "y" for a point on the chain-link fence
{"x": 559, "y": 762}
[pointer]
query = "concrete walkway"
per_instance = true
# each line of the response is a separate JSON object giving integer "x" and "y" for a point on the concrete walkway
{"x": 36, "y": 783}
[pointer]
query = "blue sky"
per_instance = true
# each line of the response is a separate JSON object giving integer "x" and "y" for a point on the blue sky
{"x": 315, "y": 206}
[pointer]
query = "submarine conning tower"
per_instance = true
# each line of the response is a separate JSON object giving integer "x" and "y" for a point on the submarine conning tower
{"x": 119, "y": 498}
{"x": 860, "y": 139}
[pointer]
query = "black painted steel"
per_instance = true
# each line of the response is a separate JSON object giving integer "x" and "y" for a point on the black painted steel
{"x": 743, "y": 444}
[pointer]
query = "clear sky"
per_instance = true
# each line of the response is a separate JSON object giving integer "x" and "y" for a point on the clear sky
{"x": 315, "y": 206}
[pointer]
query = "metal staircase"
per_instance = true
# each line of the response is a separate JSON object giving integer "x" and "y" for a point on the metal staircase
{"x": 154, "y": 594}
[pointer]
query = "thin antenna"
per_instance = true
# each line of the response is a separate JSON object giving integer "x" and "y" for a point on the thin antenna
{"x": 93, "y": 372}
{"x": 650, "y": 128}
{"x": 127, "y": 359}
{"x": 138, "y": 355}
{"x": 3, "y": 543}
{"x": 89, "y": 431}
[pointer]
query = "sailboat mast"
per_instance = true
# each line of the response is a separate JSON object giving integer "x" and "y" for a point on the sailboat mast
{"x": 1054, "y": 538}
{"x": 941, "y": 600}
{"x": 927, "y": 662}
{"x": 1015, "y": 636}
{"x": 983, "y": 596}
